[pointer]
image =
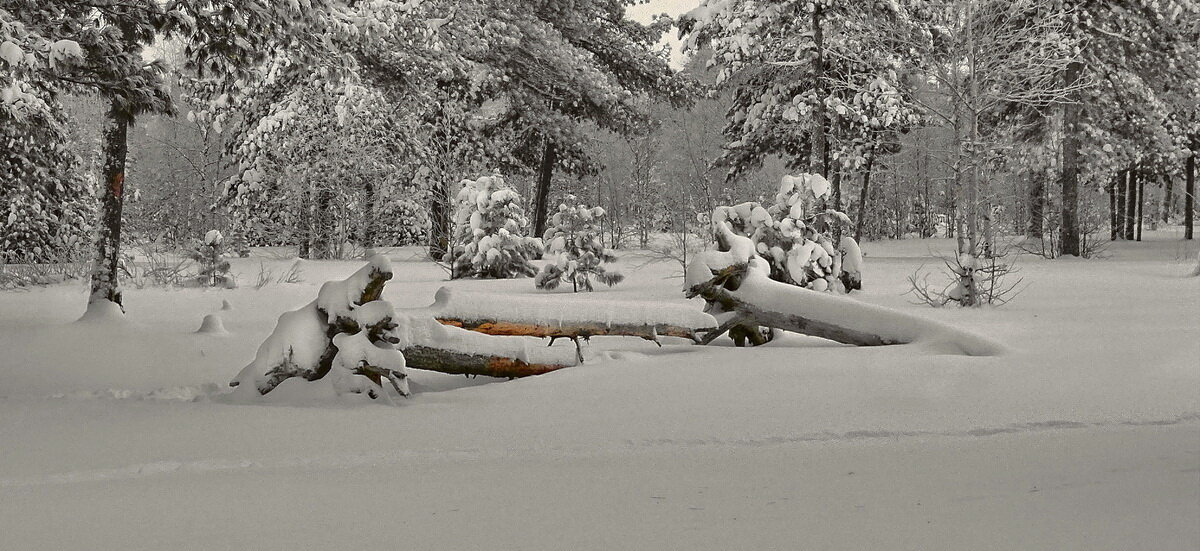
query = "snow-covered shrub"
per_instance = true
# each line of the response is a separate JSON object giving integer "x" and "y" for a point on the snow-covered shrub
{"x": 402, "y": 221}
{"x": 488, "y": 227}
{"x": 345, "y": 340}
{"x": 210, "y": 256}
{"x": 795, "y": 235}
{"x": 576, "y": 254}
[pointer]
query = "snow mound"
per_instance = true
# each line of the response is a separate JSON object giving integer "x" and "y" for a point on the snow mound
{"x": 212, "y": 325}
{"x": 102, "y": 311}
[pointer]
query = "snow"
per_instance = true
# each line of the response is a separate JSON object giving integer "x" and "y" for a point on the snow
{"x": 564, "y": 310}
{"x": 1084, "y": 435}
{"x": 212, "y": 325}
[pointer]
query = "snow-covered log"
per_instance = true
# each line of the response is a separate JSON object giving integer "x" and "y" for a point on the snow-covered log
{"x": 566, "y": 317}
{"x": 343, "y": 331}
{"x": 736, "y": 283}
{"x": 353, "y": 340}
{"x": 432, "y": 346}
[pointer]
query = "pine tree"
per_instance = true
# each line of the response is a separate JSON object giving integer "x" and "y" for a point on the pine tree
{"x": 576, "y": 253}
{"x": 488, "y": 232}
{"x": 210, "y": 255}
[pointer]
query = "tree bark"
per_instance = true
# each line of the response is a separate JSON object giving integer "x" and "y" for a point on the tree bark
{"x": 304, "y": 245}
{"x": 1141, "y": 201}
{"x": 1189, "y": 196}
{"x": 104, "y": 280}
{"x": 1131, "y": 204}
{"x": 324, "y": 230}
{"x": 1037, "y": 206}
{"x": 862, "y": 196}
{"x": 369, "y": 228}
{"x": 463, "y": 363}
{"x": 439, "y": 219}
{"x": 818, "y": 160}
{"x": 1069, "y": 238}
{"x": 1168, "y": 191}
{"x": 580, "y": 330}
{"x": 1112, "y": 205}
{"x": 542, "y": 195}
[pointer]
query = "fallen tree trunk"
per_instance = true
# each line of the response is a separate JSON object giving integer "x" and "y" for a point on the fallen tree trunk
{"x": 576, "y": 330}
{"x": 463, "y": 363}
{"x": 562, "y": 317}
{"x": 748, "y": 314}
{"x": 742, "y": 289}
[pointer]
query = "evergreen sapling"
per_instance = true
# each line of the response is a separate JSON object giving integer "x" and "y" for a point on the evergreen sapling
{"x": 577, "y": 254}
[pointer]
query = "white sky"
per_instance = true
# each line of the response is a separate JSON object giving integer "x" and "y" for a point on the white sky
{"x": 645, "y": 12}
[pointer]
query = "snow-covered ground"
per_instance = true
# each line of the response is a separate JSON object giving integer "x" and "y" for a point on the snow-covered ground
{"x": 1085, "y": 435}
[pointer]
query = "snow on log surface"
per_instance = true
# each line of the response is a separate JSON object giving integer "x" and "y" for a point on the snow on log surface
{"x": 562, "y": 316}
{"x": 738, "y": 281}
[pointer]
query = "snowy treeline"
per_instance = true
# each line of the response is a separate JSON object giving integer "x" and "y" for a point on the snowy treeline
{"x": 966, "y": 119}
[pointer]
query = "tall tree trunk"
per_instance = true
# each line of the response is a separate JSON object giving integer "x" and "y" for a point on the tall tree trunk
{"x": 818, "y": 161}
{"x": 304, "y": 243}
{"x": 1141, "y": 201}
{"x": 1112, "y": 205}
{"x": 862, "y": 195}
{"x": 104, "y": 283}
{"x": 323, "y": 233}
{"x": 1037, "y": 206}
{"x": 369, "y": 227}
{"x": 1131, "y": 203}
{"x": 1122, "y": 192}
{"x": 1070, "y": 170}
{"x": 439, "y": 220}
{"x": 542, "y": 195}
{"x": 1189, "y": 195}
{"x": 1168, "y": 190}
{"x": 835, "y": 186}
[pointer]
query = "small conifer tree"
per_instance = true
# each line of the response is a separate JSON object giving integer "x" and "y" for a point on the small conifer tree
{"x": 573, "y": 241}
{"x": 210, "y": 255}
{"x": 488, "y": 232}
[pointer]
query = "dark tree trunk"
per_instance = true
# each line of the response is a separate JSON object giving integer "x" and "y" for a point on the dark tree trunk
{"x": 819, "y": 158}
{"x": 104, "y": 283}
{"x": 1131, "y": 204}
{"x": 862, "y": 196}
{"x": 323, "y": 233}
{"x": 1189, "y": 197}
{"x": 1037, "y": 206}
{"x": 541, "y": 196}
{"x": 1141, "y": 201}
{"x": 304, "y": 245}
{"x": 1122, "y": 193}
{"x": 835, "y": 186}
{"x": 1168, "y": 190}
{"x": 369, "y": 228}
{"x": 439, "y": 220}
{"x": 1070, "y": 170}
{"x": 1112, "y": 206}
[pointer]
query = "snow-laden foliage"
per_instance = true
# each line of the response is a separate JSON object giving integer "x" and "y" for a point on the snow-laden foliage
{"x": 796, "y": 235}
{"x": 45, "y": 203}
{"x": 299, "y": 183}
{"x": 210, "y": 257}
{"x": 574, "y": 249}
{"x": 811, "y": 79}
{"x": 489, "y": 227}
